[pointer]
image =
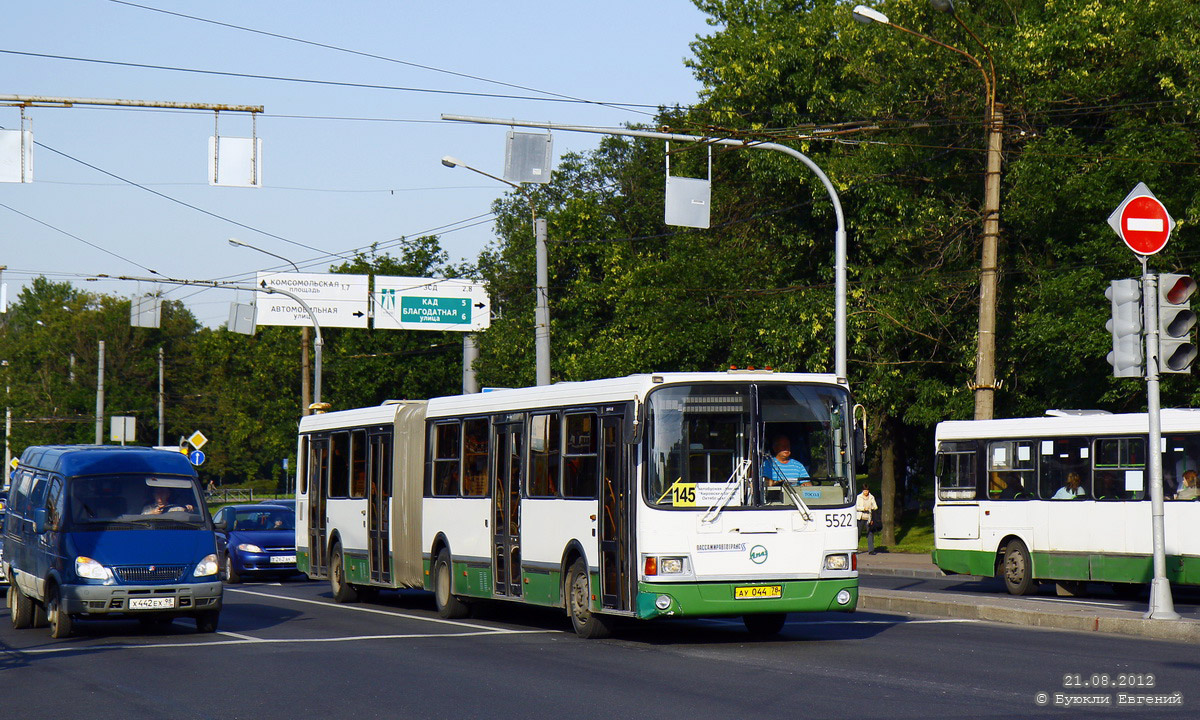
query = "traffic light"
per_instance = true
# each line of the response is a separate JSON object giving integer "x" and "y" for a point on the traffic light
{"x": 1176, "y": 351}
{"x": 1126, "y": 327}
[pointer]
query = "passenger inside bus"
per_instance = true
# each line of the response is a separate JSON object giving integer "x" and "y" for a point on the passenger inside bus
{"x": 1071, "y": 489}
{"x": 1188, "y": 491}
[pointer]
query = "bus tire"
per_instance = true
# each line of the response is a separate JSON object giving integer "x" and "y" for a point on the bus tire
{"x": 1018, "y": 570}
{"x": 764, "y": 625}
{"x": 20, "y": 607}
{"x": 61, "y": 622}
{"x": 578, "y": 593}
{"x": 448, "y": 604}
{"x": 343, "y": 591}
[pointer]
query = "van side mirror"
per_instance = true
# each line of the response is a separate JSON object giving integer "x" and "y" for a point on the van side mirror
{"x": 221, "y": 526}
{"x": 39, "y": 520}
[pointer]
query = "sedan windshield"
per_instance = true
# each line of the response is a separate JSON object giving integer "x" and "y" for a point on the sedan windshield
{"x": 749, "y": 445}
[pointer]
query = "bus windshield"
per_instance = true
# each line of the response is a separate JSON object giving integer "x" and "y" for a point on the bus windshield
{"x": 747, "y": 445}
{"x": 134, "y": 501}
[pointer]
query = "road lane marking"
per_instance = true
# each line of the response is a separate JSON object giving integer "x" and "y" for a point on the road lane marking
{"x": 236, "y": 635}
{"x": 377, "y": 611}
{"x": 264, "y": 641}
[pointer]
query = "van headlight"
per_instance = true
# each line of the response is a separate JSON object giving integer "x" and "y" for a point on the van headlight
{"x": 85, "y": 567}
{"x": 207, "y": 566}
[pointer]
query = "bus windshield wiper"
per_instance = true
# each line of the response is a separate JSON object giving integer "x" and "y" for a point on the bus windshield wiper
{"x": 737, "y": 478}
{"x": 791, "y": 491}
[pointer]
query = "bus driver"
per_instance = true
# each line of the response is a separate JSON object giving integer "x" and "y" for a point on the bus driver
{"x": 783, "y": 468}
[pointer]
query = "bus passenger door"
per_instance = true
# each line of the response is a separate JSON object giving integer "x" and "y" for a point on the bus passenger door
{"x": 506, "y": 509}
{"x": 379, "y": 496}
{"x": 616, "y": 546}
{"x": 318, "y": 491}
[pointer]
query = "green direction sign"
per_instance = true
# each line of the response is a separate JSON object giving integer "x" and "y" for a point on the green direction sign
{"x": 435, "y": 310}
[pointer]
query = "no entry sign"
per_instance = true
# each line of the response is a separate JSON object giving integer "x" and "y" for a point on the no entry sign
{"x": 1142, "y": 221}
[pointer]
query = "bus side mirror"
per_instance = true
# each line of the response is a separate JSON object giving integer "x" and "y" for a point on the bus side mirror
{"x": 860, "y": 436}
{"x": 635, "y": 418}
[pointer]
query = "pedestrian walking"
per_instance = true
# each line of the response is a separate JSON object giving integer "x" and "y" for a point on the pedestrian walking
{"x": 865, "y": 508}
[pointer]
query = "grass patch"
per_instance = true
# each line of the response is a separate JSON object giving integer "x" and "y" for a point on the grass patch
{"x": 914, "y": 534}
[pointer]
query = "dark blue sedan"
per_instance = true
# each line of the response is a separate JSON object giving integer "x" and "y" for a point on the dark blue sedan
{"x": 257, "y": 540}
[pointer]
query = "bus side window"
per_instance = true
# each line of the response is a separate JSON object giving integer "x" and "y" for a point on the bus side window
{"x": 956, "y": 475}
{"x": 580, "y": 457}
{"x": 339, "y": 465}
{"x": 447, "y": 457}
{"x": 1062, "y": 458}
{"x": 1012, "y": 469}
{"x": 1119, "y": 462}
{"x": 358, "y": 463}
{"x": 544, "y": 441}
{"x": 476, "y": 433}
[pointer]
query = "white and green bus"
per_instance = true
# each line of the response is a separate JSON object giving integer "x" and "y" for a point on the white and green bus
{"x": 636, "y": 497}
{"x": 1065, "y": 498}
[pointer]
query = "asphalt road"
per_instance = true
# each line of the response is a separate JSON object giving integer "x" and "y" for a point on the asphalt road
{"x": 286, "y": 650}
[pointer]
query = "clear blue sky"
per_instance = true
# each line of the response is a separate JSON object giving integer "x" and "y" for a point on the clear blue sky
{"x": 330, "y": 185}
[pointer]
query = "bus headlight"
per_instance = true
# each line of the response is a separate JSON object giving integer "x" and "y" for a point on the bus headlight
{"x": 85, "y": 567}
{"x": 670, "y": 565}
{"x": 206, "y": 567}
{"x": 837, "y": 562}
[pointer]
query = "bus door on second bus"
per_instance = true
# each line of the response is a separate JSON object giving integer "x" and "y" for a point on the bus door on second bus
{"x": 616, "y": 508}
{"x": 508, "y": 442}
{"x": 379, "y": 499}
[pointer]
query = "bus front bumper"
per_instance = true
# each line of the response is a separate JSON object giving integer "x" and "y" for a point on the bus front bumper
{"x": 700, "y": 599}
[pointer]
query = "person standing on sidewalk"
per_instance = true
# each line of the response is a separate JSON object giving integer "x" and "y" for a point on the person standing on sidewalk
{"x": 864, "y": 506}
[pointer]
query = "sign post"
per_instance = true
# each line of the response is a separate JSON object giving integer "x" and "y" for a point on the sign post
{"x": 1145, "y": 225}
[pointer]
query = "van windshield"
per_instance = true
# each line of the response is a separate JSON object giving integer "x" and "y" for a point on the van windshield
{"x": 135, "y": 501}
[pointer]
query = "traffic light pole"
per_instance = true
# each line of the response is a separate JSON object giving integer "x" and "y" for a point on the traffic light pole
{"x": 1162, "y": 606}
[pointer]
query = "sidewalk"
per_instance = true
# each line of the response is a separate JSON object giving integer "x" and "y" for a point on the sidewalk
{"x": 1080, "y": 616}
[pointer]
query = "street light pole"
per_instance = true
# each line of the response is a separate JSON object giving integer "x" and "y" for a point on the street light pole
{"x": 541, "y": 312}
{"x": 985, "y": 384}
{"x": 839, "y": 236}
{"x": 305, "y": 376}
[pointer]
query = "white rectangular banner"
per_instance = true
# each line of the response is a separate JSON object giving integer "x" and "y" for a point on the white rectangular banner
{"x": 337, "y": 300}
{"x": 405, "y": 303}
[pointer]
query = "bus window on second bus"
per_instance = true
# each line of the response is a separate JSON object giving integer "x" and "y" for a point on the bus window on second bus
{"x": 1120, "y": 469}
{"x": 1012, "y": 468}
{"x": 1065, "y": 472}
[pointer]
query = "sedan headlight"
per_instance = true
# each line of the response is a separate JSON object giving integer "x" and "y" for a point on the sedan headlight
{"x": 85, "y": 567}
{"x": 207, "y": 566}
{"x": 248, "y": 547}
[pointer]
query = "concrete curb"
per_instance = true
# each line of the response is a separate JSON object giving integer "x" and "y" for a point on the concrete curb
{"x": 1079, "y": 621}
{"x": 904, "y": 572}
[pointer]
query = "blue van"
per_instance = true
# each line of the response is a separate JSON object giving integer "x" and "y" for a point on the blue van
{"x": 101, "y": 531}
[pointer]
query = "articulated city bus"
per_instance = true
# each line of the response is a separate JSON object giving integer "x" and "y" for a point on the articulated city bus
{"x": 635, "y": 497}
{"x": 1065, "y": 498}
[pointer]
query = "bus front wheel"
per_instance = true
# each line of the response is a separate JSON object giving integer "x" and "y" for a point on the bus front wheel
{"x": 578, "y": 593}
{"x": 448, "y": 604}
{"x": 1018, "y": 570}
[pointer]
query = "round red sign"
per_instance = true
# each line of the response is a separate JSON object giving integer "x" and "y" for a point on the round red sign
{"x": 1145, "y": 225}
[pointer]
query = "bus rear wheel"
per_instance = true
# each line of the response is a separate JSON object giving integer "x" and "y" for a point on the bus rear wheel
{"x": 448, "y": 604}
{"x": 343, "y": 591}
{"x": 578, "y": 593}
{"x": 1018, "y": 570}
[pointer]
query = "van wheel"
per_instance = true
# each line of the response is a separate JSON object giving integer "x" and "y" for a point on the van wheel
{"x": 1018, "y": 570}
{"x": 40, "y": 620}
{"x": 206, "y": 622}
{"x": 448, "y": 604}
{"x": 61, "y": 623}
{"x": 20, "y": 607}
{"x": 231, "y": 574}
{"x": 343, "y": 591}
{"x": 578, "y": 593}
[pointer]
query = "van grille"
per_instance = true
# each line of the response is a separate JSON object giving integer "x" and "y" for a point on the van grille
{"x": 150, "y": 573}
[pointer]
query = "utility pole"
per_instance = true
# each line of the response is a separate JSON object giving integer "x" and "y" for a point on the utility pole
{"x": 985, "y": 363}
{"x": 161, "y": 397}
{"x": 100, "y": 396}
